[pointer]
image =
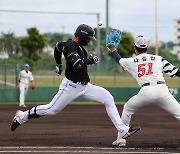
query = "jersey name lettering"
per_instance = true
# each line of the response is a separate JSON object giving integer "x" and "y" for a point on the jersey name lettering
{"x": 145, "y": 69}
{"x": 152, "y": 58}
{"x": 144, "y": 58}
{"x": 135, "y": 60}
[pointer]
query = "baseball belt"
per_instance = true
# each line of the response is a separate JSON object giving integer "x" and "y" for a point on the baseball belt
{"x": 148, "y": 84}
{"x": 83, "y": 83}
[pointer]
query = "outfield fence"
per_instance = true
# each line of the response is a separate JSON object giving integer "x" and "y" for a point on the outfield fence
{"x": 121, "y": 85}
{"x": 45, "y": 94}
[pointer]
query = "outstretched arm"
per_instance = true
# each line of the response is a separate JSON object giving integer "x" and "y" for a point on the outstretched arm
{"x": 116, "y": 55}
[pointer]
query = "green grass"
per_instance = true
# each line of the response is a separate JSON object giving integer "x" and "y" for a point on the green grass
{"x": 100, "y": 79}
{"x": 105, "y": 81}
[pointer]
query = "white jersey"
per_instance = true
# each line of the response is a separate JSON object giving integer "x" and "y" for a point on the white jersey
{"x": 148, "y": 68}
{"x": 25, "y": 77}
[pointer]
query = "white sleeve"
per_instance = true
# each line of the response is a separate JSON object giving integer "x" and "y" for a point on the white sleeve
{"x": 124, "y": 62}
{"x": 20, "y": 75}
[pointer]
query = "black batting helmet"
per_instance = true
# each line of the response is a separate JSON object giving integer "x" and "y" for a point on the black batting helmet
{"x": 84, "y": 30}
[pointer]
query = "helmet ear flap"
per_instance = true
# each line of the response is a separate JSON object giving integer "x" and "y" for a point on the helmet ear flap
{"x": 75, "y": 34}
{"x": 83, "y": 41}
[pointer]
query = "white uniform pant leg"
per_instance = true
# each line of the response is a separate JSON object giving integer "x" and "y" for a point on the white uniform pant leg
{"x": 99, "y": 94}
{"x": 64, "y": 96}
{"x": 23, "y": 91}
{"x": 130, "y": 108}
{"x": 167, "y": 102}
{"x": 143, "y": 98}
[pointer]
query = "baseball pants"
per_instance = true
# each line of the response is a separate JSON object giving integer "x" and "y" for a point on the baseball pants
{"x": 157, "y": 95}
{"x": 69, "y": 91}
{"x": 23, "y": 87}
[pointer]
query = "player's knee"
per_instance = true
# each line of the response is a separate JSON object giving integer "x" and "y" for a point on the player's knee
{"x": 109, "y": 98}
{"x": 126, "y": 108}
{"x": 109, "y": 101}
{"x": 127, "y": 111}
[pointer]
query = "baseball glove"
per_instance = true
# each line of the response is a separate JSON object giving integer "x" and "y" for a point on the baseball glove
{"x": 113, "y": 39}
{"x": 32, "y": 86}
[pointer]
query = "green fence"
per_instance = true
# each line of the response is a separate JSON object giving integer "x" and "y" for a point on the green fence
{"x": 45, "y": 94}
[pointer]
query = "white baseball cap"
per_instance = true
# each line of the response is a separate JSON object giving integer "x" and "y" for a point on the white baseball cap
{"x": 141, "y": 42}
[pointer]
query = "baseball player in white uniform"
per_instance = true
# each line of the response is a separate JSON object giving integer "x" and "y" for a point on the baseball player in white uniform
{"x": 76, "y": 84}
{"x": 25, "y": 76}
{"x": 148, "y": 71}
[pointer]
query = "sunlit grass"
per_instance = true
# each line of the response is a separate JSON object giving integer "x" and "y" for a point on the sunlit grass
{"x": 101, "y": 79}
{"x": 105, "y": 81}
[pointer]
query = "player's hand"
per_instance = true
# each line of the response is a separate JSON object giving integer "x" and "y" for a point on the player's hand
{"x": 58, "y": 69}
{"x": 93, "y": 59}
{"x": 114, "y": 49}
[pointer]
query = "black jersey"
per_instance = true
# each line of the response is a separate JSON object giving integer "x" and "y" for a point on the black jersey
{"x": 76, "y": 62}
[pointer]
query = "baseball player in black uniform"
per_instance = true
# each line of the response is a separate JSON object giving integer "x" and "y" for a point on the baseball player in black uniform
{"x": 76, "y": 84}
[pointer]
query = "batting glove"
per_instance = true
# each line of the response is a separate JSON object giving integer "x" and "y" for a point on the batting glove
{"x": 58, "y": 69}
{"x": 93, "y": 59}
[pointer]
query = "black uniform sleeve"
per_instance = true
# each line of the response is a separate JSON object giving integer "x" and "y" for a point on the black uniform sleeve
{"x": 116, "y": 56}
{"x": 178, "y": 73}
{"x": 76, "y": 61}
{"x": 58, "y": 50}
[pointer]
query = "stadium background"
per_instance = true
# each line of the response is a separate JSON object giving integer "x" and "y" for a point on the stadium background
{"x": 85, "y": 128}
{"x": 121, "y": 85}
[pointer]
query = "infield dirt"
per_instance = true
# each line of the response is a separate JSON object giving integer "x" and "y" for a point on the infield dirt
{"x": 89, "y": 125}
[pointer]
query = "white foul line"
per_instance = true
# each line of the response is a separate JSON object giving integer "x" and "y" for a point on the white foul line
{"x": 110, "y": 152}
{"x": 70, "y": 147}
{"x": 22, "y": 149}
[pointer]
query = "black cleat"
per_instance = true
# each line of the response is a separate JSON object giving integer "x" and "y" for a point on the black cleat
{"x": 132, "y": 130}
{"x": 14, "y": 123}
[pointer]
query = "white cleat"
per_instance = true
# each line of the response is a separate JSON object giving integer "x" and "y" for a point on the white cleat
{"x": 22, "y": 105}
{"x": 119, "y": 142}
